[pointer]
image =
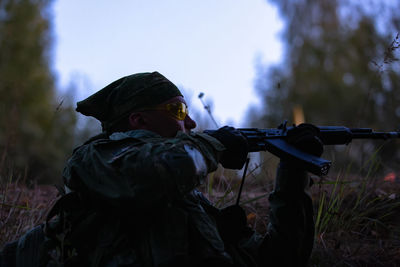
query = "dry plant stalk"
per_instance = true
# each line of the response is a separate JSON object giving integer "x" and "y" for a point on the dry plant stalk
{"x": 22, "y": 208}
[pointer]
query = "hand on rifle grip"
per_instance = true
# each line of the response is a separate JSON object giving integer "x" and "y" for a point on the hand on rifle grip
{"x": 236, "y": 146}
{"x": 307, "y": 138}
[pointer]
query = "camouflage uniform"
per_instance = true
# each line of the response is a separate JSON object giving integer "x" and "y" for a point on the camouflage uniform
{"x": 131, "y": 200}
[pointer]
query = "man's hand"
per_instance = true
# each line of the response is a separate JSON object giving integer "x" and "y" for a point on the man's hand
{"x": 306, "y": 137}
{"x": 236, "y": 146}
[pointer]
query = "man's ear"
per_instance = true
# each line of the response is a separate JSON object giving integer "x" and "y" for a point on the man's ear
{"x": 136, "y": 120}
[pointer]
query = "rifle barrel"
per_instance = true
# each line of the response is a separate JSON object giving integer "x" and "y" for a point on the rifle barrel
{"x": 376, "y": 135}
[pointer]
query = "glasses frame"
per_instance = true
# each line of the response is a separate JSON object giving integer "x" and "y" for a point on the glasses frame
{"x": 178, "y": 110}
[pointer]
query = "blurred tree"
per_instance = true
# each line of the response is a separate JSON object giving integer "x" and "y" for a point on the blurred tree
{"x": 35, "y": 128}
{"x": 339, "y": 65}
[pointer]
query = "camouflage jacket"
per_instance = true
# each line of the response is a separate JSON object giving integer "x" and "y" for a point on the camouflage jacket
{"x": 131, "y": 200}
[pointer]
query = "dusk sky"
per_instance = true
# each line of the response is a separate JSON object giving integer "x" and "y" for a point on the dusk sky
{"x": 203, "y": 46}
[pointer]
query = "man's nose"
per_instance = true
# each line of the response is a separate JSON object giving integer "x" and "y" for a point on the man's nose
{"x": 189, "y": 123}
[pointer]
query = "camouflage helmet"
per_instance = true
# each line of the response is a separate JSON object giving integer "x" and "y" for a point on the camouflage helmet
{"x": 134, "y": 92}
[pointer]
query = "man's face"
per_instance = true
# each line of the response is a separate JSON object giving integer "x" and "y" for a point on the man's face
{"x": 163, "y": 122}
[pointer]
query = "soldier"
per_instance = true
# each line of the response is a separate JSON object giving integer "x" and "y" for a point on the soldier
{"x": 130, "y": 193}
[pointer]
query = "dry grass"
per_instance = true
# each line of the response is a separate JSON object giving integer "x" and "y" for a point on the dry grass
{"x": 358, "y": 224}
{"x": 357, "y": 218}
{"x": 22, "y": 208}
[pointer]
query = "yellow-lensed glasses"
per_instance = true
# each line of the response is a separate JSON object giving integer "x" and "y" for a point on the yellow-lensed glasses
{"x": 178, "y": 110}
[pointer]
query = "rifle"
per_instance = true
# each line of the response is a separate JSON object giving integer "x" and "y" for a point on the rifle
{"x": 273, "y": 140}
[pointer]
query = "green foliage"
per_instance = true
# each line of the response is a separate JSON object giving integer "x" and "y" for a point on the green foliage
{"x": 35, "y": 127}
{"x": 339, "y": 66}
{"x": 331, "y": 68}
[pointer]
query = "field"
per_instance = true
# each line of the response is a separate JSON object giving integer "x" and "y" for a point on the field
{"x": 357, "y": 218}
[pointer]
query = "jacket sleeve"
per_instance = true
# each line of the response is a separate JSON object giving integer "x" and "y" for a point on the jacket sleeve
{"x": 290, "y": 237}
{"x": 143, "y": 172}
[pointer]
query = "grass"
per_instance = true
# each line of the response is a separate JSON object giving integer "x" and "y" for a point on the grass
{"x": 357, "y": 217}
{"x": 357, "y": 224}
{"x": 22, "y": 207}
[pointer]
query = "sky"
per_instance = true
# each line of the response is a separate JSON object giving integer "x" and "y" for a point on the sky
{"x": 204, "y": 46}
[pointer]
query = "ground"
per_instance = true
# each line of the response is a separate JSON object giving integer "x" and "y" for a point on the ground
{"x": 357, "y": 223}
